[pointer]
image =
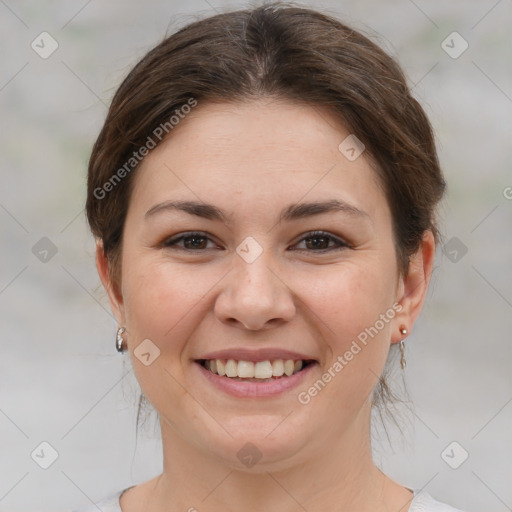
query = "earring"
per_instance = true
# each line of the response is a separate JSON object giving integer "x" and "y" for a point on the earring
{"x": 403, "y": 362}
{"x": 119, "y": 339}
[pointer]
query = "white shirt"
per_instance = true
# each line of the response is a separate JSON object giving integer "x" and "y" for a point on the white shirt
{"x": 421, "y": 502}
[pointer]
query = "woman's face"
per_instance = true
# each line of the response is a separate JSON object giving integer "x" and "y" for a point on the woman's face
{"x": 254, "y": 182}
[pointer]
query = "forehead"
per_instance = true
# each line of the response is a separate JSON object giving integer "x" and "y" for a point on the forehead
{"x": 256, "y": 152}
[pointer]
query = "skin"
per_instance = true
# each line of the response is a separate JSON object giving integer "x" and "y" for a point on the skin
{"x": 253, "y": 159}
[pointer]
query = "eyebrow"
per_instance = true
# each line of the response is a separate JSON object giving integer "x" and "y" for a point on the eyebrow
{"x": 290, "y": 213}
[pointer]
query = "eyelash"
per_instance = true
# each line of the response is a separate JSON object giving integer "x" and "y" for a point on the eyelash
{"x": 172, "y": 242}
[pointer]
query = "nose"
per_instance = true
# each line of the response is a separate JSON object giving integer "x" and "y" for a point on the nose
{"x": 254, "y": 297}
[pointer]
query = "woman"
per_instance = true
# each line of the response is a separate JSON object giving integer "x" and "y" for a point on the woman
{"x": 263, "y": 196}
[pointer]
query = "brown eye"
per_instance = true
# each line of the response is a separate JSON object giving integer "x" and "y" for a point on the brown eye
{"x": 195, "y": 242}
{"x": 322, "y": 242}
{"x": 191, "y": 242}
{"x": 317, "y": 242}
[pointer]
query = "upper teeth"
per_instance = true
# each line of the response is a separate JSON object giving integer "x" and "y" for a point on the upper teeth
{"x": 249, "y": 370}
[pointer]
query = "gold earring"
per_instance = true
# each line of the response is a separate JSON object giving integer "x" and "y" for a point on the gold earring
{"x": 403, "y": 362}
{"x": 119, "y": 339}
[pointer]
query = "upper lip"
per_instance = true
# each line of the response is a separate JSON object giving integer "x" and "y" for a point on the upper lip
{"x": 263, "y": 354}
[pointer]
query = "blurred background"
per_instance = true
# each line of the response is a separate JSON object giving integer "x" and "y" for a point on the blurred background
{"x": 68, "y": 399}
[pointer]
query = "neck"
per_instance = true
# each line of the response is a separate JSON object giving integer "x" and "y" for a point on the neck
{"x": 342, "y": 477}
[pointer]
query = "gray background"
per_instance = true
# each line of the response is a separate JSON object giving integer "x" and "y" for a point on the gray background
{"x": 61, "y": 380}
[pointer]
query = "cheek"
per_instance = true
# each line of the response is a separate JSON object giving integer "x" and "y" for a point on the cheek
{"x": 161, "y": 299}
{"x": 162, "y": 304}
{"x": 354, "y": 305}
{"x": 350, "y": 297}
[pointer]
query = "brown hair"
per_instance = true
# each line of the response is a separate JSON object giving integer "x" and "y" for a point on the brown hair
{"x": 278, "y": 51}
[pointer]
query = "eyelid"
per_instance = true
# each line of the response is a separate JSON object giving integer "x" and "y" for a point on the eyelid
{"x": 171, "y": 242}
{"x": 341, "y": 243}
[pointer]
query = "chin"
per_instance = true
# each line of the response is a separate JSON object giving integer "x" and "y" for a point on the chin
{"x": 259, "y": 444}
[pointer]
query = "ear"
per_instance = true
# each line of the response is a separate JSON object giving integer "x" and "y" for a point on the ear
{"x": 412, "y": 289}
{"x": 114, "y": 295}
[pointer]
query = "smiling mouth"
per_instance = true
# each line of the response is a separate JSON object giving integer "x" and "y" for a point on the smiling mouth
{"x": 260, "y": 371}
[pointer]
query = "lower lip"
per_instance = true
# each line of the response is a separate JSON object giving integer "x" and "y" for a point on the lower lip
{"x": 253, "y": 389}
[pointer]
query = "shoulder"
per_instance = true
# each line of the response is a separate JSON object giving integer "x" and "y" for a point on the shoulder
{"x": 424, "y": 502}
{"x": 109, "y": 504}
